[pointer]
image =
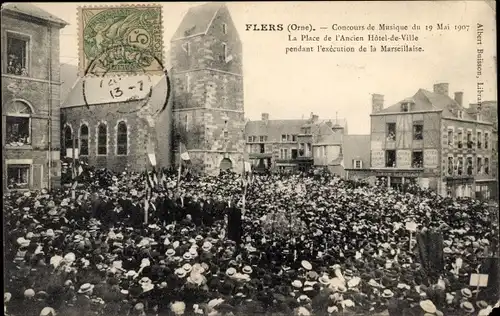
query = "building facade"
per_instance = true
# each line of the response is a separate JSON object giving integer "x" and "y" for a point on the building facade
{"x": 115, "y": 133}
{"x": 432, "y": 140}
{"x": 488, "y": 111}
{"x": 288, "y": 145}
{"x": 207, "y": 77}
{"x": 30, "y": 97}
{"x": 356, "y": 157}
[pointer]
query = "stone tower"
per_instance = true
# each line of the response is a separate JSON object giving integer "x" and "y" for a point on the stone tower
{"x": 207, "y": 81}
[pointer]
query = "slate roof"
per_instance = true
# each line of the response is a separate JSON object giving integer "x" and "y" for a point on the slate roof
{"x": 197, "y": 20}
{"x": 34, "y": 11}
{"x": 489, "y": 111}
{"x": 275, "y": 128}
{"x": 429, "y": 101}
{"x": 356, "y": 147}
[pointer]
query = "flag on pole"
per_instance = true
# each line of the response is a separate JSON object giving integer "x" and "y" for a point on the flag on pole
{"x": 149, "y": 181}
{"x": 163, "y": 178}
{"x": 248, "y": 167}
{"x": 184, "y": 153}
{"x": 155, "y": 178}
{"x": 152, "y": 159}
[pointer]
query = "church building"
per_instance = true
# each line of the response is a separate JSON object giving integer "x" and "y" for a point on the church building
{"x": 204, "y": 110}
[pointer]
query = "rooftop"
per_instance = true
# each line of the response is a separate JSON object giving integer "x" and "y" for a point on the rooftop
{"x": 197, "y": 20}
{"x": 33, "y": 11}
{"x": 429, "y": 101}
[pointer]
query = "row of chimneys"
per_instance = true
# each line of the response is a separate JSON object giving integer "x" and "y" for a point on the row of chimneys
{"x": 441, "y": 88}
{"x": 313, "y": 117}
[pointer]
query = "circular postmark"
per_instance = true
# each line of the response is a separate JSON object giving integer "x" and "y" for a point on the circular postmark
{"x": 136, "y": 89}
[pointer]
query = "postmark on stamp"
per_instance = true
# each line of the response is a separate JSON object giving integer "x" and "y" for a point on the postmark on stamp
{"x": 124, "y": 39}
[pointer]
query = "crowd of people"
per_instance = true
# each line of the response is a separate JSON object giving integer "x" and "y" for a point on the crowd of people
{"x": 308, "y": 244}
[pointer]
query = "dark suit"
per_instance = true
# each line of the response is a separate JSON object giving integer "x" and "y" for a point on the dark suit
{"x": 234, "y": 224}
{"x": 208, "y": 214}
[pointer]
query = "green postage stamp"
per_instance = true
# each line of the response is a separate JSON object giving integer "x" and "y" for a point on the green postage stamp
{"x": 118, "y": 40}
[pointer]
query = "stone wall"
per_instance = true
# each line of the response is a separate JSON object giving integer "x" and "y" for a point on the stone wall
{"x": 144, "y": 134}
{"x": 39, "y": 89}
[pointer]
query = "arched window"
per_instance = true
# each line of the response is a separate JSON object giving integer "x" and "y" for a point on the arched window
{"x": 18, "y": 124}
{"x": 84, "y": 140}
{"x": 121, "y": 139}
{"x": 102, "y": 139}
{"x": 67, "y": 139}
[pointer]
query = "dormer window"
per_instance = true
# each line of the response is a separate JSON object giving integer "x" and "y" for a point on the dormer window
{"x": 460, "y": 114}
{"x": 405, "y": 107}
{"x": 224, "y": 28}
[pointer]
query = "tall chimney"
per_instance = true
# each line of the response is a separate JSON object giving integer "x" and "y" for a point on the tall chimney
{"x": 265, "y": 117}
{"x": 441, "y": 88}
{"x": 459, "y": 98}
{"x": 314, "y": 118}
{"x": 377, "y": 103}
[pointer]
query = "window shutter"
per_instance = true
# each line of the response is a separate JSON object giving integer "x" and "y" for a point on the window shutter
{"x": 360, "y": 164}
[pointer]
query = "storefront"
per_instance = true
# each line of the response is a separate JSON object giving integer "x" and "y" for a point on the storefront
{"x": 460, "y": 186}
{"x": 486, "y": 189}
{"x": 397, "y": 179}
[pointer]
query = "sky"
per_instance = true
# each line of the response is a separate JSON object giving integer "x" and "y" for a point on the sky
{"x": 291, "y": 86}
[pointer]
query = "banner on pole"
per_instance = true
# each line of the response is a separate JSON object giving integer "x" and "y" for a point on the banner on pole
{"x": 411, "y": 226}
{"x": 478, "y": 280}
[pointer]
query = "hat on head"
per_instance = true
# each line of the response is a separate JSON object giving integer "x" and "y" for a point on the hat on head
{"x": 324, "y": 279}
{"x": 247, "y": 270}
{"x": 131, "y": 273}
{"x": 29, "y": 293}
{"x": 481, "y": 304}
{"x": 297, "y": 284}
{"x": 187, "y": 256}
{"x": 206, "y": 246}
{"x": 354, "y": 282}
{"x": 86, "y": 288}
{"x": 428, "y": 306}
{"x": 303, "y": 298}
{"x": 170, "y": 252}
{"x": 139, "y": 307}
{"x": 467, "y": 306}
{"x": 180, "y": 272}
{"x": 187, "y": 267}
{"x": 231, "y": 272}
{"x": 48, "y": 311}
{"x": 387, "y": 293}
{"x": 466, "y": 292}
{"x": 306, "y": 264}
